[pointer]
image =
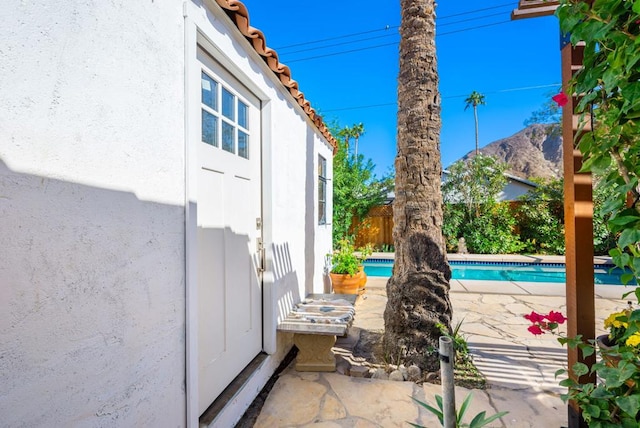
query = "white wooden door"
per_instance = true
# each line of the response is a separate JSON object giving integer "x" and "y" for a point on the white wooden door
{"x": 228, "y": 230}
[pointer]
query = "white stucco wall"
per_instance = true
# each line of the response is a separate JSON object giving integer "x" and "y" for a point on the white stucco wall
{"x": 513, "y": 190}
{"x": 92, "y": 208}
{"x": 92, "y": 202}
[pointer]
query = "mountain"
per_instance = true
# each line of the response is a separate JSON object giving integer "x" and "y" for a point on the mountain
{"x": 536, "y": 151}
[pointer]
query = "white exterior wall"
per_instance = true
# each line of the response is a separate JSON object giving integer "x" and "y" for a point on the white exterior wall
{"x": 513, "y": 190}
{"x": 92, "y": 202}
{"x": 92, "y": 208}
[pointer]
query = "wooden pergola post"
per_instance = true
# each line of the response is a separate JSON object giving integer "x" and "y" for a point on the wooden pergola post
{"x": 578, "y": 211}
{"x": 578, "y": 215}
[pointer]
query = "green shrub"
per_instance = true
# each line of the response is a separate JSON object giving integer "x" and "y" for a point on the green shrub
{"x": 493, "y": 232}
{"x": 540, "y": 217}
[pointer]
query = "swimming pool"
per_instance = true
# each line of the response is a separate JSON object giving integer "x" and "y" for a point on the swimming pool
{"x": 504, "y": 271}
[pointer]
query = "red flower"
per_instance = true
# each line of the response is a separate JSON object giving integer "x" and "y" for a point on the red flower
{"x": 535, "y": 329}
{"x": 556, "y": 317}
{"x": 561, "y": 99}
{"x": 535, "y": 317}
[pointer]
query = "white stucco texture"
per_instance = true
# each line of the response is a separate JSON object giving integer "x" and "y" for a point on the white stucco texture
{"x": 92, "y": 275}
{"x": 93, "y": 183}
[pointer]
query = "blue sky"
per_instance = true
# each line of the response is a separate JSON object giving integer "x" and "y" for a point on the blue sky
{"x": 479, "y": 48}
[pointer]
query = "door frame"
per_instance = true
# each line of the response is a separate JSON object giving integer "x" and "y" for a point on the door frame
{"x": 197, "y": 26}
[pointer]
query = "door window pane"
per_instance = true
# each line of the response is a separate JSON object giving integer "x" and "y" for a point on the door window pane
{"x": 228, "y": 104}
{"x": 242, "y": 115}
{"x": 225, "y": 118}
{"x": 209, "y": 128}
{"x": 209, "y": 91}
{"x": 243, "y": 145}
{"x": 228, "y": 134}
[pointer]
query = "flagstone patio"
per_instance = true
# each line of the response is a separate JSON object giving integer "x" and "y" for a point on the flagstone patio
{"x": 518, "y": 366}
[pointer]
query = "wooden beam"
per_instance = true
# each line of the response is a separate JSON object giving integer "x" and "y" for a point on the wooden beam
{"x": 578, "y": 215}
{"x": 535, "y": 4}
{"x": 534, "y": 8}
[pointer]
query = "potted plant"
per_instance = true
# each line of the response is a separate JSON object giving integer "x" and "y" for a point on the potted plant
{"x": 615, "y": 400}
{"x": 347, "y": 271}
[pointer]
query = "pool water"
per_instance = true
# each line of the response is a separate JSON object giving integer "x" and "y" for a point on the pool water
{"x": 508, "y": 271}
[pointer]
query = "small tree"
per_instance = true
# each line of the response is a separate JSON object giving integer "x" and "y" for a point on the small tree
{"x": 470, "y": 192}
{"x": 549, "y": 113}
{"x": 356, "y": 189}
{"x": 474, "y": 183}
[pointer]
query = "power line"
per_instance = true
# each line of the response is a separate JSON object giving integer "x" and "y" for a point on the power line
{"x": 342, "y": 52}
{"x": 379, "y": 37}
{"x": 386, "y": 28}
{"x": 473, "y": 28}
{"x": 360, "y": 107}
{"x": 393, "y": 27}
{"x": 343, "y": 43}
{"x": 391, "y": 44}
{"x": 522, "y": 88}
{"x": 469, "y": 19}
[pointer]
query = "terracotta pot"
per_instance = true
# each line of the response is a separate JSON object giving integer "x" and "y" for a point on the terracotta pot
{"x": 345, "y": 283}
{"x": 363, "y": 280}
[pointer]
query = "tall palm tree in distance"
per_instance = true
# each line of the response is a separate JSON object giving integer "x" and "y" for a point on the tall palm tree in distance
{"x": 356, "y": 131}
{"x": 418, "y": 290}
{"x": 474, "y": 100}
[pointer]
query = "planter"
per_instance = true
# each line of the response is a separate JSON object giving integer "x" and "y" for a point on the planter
{"x": 345, "y": 283}
{"x": 363, "y": 280}
{"x": 608, "y": 356}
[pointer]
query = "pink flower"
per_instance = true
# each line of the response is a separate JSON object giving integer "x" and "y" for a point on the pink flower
{"x": 561, "y": 99}
{"x": 535, "y": 317}
{"x": 556, "y": 317}
{"x": 535, "y": 329}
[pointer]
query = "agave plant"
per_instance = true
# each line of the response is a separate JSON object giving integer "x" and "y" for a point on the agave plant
{"x": 479, "y": 420}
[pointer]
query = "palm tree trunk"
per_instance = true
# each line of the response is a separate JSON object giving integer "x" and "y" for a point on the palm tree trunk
{"x": 475, "y": 116}
{"x": 418, "y": 290}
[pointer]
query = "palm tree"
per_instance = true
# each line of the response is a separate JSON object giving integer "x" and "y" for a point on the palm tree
{"x": 418, "y": 290}
{"x": 355, "y": 132}
{"x": 475, "y": 99}
{"x": 358, "y": 131}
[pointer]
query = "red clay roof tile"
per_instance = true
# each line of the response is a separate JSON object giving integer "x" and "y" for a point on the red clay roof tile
{"x": 238, "y": 13}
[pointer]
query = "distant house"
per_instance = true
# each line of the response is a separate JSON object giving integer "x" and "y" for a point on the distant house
{"x": 160, "y": 176}
{"x": 514, "y": 189}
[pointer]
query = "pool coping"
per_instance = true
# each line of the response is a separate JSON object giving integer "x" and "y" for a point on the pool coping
{"x": 516, "y": 288}
{"x": 515, "y": 258}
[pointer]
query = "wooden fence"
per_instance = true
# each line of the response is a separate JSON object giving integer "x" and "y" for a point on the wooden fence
{"x": 376, "y": 228}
